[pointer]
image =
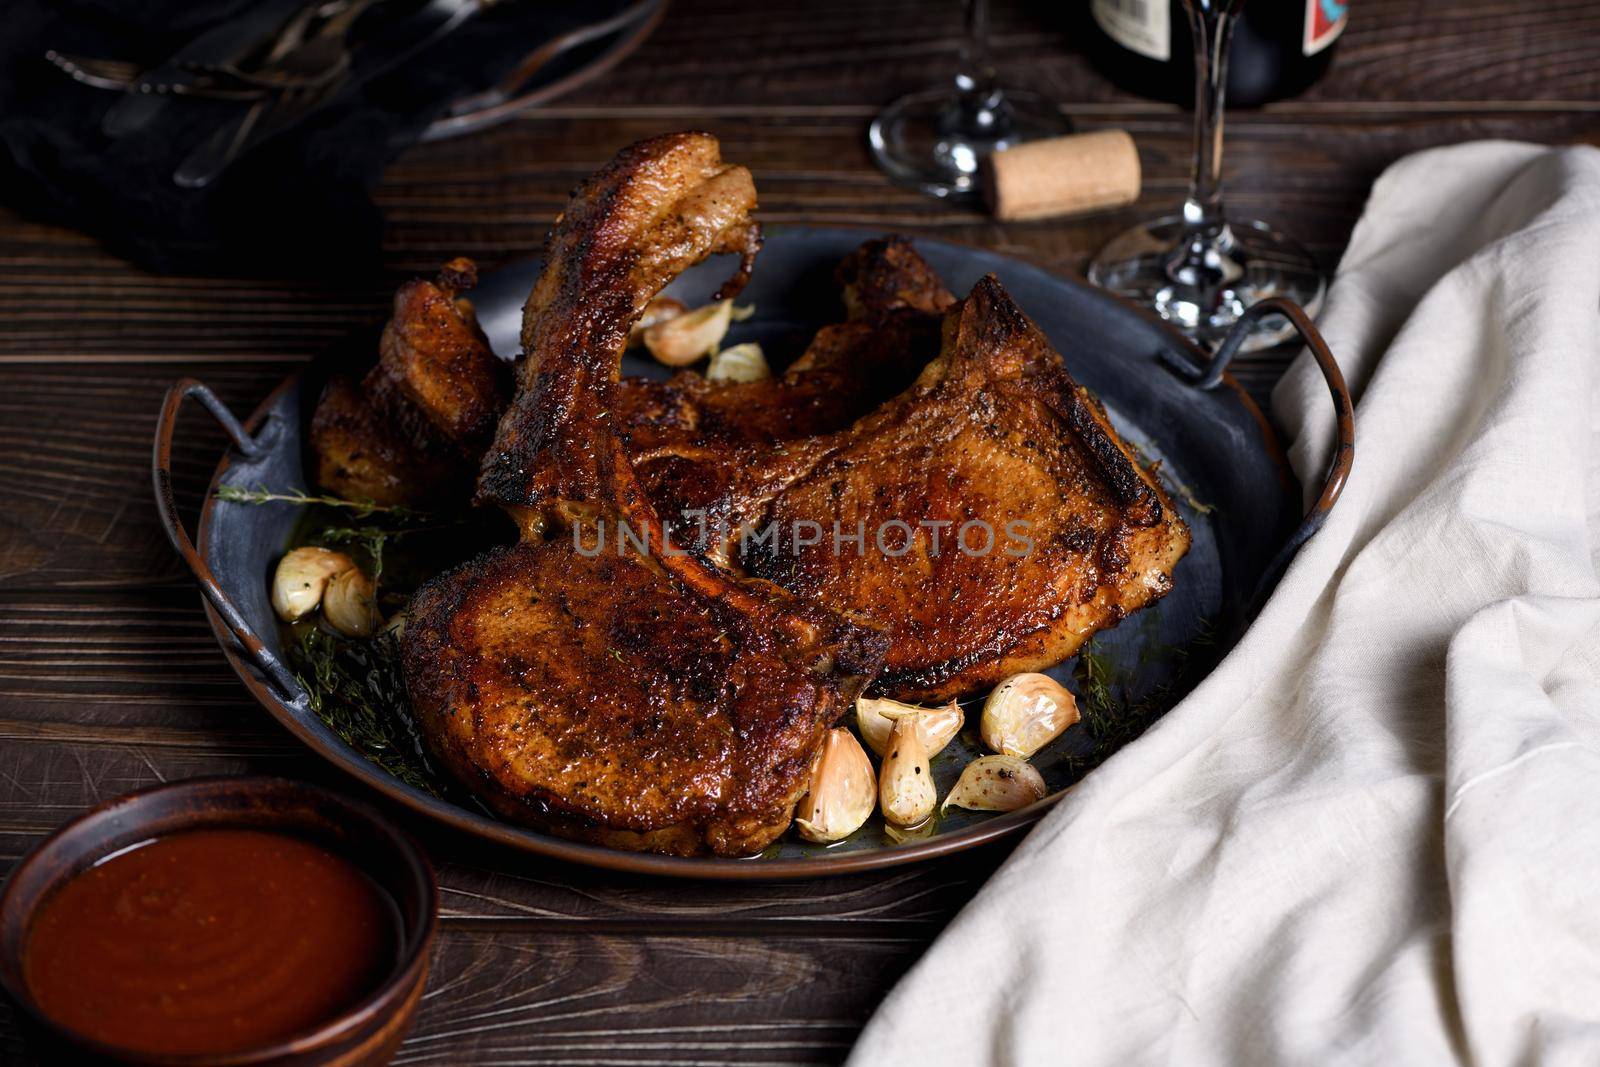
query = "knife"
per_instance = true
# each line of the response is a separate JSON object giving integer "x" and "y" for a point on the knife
{"x": 227, "y": 42}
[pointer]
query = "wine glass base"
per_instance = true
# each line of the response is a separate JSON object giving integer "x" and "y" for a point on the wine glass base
{"x": 1268, "y": 263}
{"x": 922, "y": 140}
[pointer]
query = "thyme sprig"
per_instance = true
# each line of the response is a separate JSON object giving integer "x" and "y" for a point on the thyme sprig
{"x": 356, "y": 687}
{"x": 375, "y": 528}
{"x": 1112, "y": 720}
{"x": 238, "y": 494}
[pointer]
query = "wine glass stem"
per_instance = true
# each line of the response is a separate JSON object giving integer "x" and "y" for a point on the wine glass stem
{"x": 975, "y": 77}
{"x": 1212, "y": 23}
{"x": 981, "y": 112}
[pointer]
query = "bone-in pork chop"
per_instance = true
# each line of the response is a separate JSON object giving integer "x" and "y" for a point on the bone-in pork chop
{"x": 644, "y": 698}
{"x": 412, "y": 431}
{"x": 988, "y": 517}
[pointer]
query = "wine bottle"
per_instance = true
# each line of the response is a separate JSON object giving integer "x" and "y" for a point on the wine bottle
{"x": 1280, "y": 47}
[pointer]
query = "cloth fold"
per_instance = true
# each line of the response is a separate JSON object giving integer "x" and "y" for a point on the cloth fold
{"x": 1372, "y": 835}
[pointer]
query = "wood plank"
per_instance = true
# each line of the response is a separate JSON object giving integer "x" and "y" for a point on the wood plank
{"x": 492, "y": 197}
{"x": 655, "y": 998}
{"x": 817, "y": 170}
{"x": 51, "y": 779}
{"x": 75, "y": 468}
{"x": 507, "y": 993}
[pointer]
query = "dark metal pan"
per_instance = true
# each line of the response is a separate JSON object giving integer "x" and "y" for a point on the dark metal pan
{"x": 1171, "y": 399}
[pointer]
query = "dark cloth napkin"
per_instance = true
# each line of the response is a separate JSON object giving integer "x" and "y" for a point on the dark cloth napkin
{"x": 299, "y": 203}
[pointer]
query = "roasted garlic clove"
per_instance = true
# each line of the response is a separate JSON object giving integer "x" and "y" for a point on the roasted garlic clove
{"x": 396, "y": 626}
{"x": 905, "y": 782}
{"x": 1026, "y": 712}
{"x": 741, "y": 363}
{"x": 842, "y": 793}
{"x": 350, "y": 605}
{"x": 302, "y": 578}
{"x": 938, "y": 726}
{"x": 682, "y": 339}
{"x": 996, "y": 783}
{"x": 658, "y": 310}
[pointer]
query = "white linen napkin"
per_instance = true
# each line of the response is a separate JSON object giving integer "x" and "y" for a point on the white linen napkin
{"x": 1373, "y": 834}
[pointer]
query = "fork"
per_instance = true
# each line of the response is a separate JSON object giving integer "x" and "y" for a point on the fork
{"x": 313, "y": 61}
{"x": 319, "y": 60}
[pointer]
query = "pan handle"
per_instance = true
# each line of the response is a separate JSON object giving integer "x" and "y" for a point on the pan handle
{"x": 1344, "y": 453}
{"x": 161, "y": 475}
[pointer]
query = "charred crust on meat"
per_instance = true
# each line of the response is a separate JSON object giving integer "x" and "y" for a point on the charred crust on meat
{"x": 410, "y": 432}
{"x": 1088, "y": 420}
{"x": 459, "y": 275}
{"x": 887, "y": 276}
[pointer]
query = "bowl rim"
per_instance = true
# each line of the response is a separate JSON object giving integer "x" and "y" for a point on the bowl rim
{"x": 526, "y": 839}
{"x": 389, "y": 997}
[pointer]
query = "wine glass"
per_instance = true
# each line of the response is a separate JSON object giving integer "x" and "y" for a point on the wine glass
{"x": 937, "y": 139}
{"x": 1200, "y": 270}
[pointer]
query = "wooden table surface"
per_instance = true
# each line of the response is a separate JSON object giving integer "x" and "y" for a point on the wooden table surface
{"x": 110, "y": 679}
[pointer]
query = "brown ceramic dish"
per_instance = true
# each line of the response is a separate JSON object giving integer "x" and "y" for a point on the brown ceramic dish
{"x": 367, "y": 1033}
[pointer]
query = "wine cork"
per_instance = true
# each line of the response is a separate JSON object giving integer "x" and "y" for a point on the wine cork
{"x": 1063, "y": 176}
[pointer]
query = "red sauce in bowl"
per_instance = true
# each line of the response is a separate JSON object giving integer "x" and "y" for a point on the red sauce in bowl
{"x": 210, "y": 941}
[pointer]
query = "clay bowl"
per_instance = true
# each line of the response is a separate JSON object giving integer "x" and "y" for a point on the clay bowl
{"x": 367, "y": 1033}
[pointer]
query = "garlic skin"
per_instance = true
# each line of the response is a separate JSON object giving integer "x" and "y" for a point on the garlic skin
{"x": 843, "y": 790}
{"x": 350, "y": 605}
{"x": 905, "y": 782}
{"x": 301, "y": 580}
{"x": 1026, "y": 712}
{"x": 996, "y": 783}
{"x": 658, "y": 310}
{"x": 683, "y": 339}
{"x": 875, "y": 718}
{"x": 740, "y": 363}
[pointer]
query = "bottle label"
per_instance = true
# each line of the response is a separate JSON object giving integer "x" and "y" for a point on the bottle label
{"x": 1142, "y": 26}
{"x": 1325, "y": 21}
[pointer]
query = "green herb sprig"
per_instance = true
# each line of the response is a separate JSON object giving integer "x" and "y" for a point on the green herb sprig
{"x": 357, "y": 688}
{"x": 238, "y": 494}
{"x": 1112, "y": 721}
{"x": 375, "y": 528}
{"x": 356, "y": 685}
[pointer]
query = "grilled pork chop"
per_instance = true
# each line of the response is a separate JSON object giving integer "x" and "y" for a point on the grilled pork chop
{"x": 988, "y": 517}
{"x": 412, "y": 431}
{"x": 998, "y": 520}
{"x": 642, "y": 698}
